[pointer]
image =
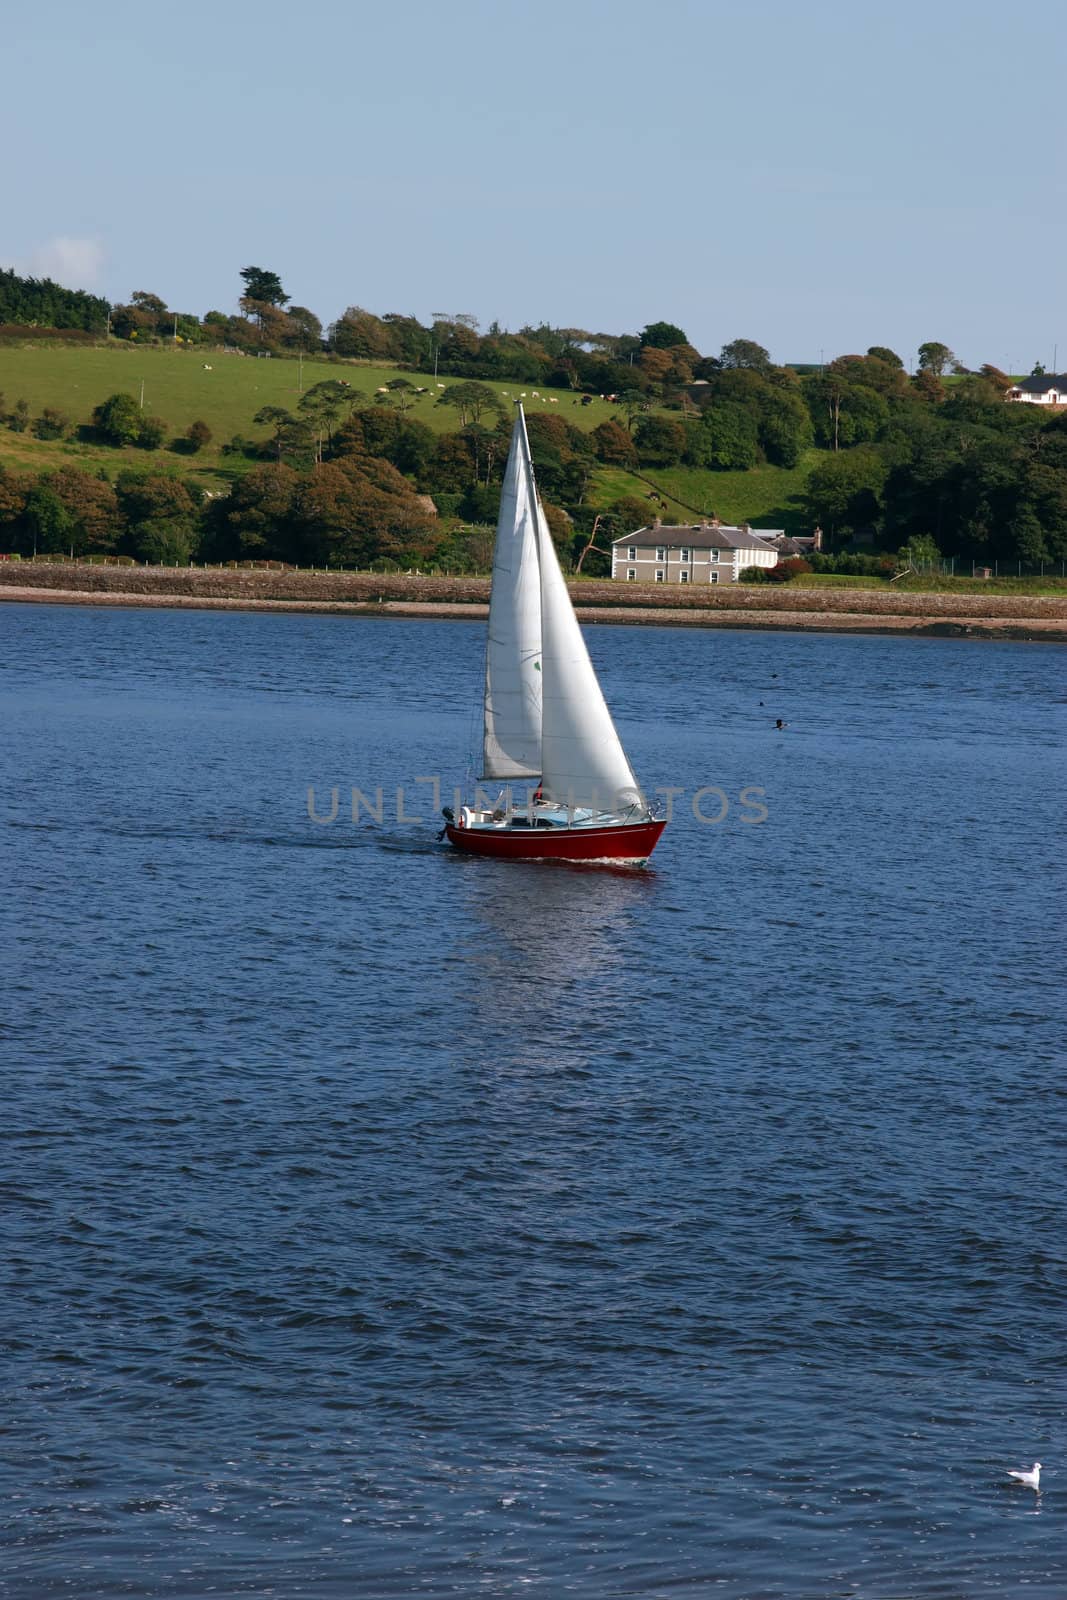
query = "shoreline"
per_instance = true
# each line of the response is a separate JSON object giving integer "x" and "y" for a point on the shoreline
{"x": 1051, "y": 629}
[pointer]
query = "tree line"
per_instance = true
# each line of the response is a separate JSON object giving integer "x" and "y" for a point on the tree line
{"x": 346, "y": 479}
{"x": 38, "y": 302}
{"x": 936, "y": 455}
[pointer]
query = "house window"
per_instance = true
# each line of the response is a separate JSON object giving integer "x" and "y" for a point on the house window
{"x": 630, "y": 574}
{"x": 683, "y": 576}
{"x": 659, "y": 575}
{"x": 715, "y": 577}
{"x": 631, "y": 553}
{"x": 713, "y": 555}
{"x": 661, "y": 552}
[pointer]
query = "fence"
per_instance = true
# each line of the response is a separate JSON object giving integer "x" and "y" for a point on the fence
{"x": 962, "y": 567}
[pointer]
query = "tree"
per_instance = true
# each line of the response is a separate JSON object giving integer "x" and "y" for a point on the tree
{"x": 306, "y": 325}
{"x": 928, "y": 386}
{"x": 324, "y": 404}
{"x": 93, "y": 507}
{"x": 632, "y": 403}
{"x": 265, "y": 288}
{"x": 361, "y": 334}
{"x": 292, "y": 435}
{"x": 733, "y": 435}
{"x": 882, "y": 352}
{"x": 13, "y": 493}
{"x": 613, "y": 445}
{"x": 48, "y": 520}
{"x": 844, "y": 491}
{"x": 843, "y": 413}
{"x": 118, "y": 419}
{"x": 920, "y": 549}
{"x": 255, "y": 520}
{"x": 662, "y": 336}
{"x": 745, "y": 353}
{"x": 993, "y": 375}
{"x": 19, "y": 419}
{"x": 934, "y": 357}
{"x": 169, "y": 541}
{"x": 659, "y": 442}
{"x": 654, "y": 364}
{"x": 471, "y": 400}
{"x": 871, "y": 372}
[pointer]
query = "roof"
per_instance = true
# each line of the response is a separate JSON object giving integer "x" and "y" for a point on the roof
{"x": 1042, "y": 383}
{"x": 699, "y": 536}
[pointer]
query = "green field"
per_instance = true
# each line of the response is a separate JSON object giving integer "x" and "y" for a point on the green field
{"x": 226, "y": 392}
{"x": 764, "y": 496}
{"x": 179, "y": 388}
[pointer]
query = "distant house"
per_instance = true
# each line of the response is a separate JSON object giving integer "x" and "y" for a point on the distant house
{"x": 1043, "y": 389}
{"x": 792, "y": 544}
{"x": 704, "y": 552}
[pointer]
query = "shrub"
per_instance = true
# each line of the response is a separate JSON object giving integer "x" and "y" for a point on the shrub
{"x": 51, "y": 424}
{"x": 117, "y": 419}
{"x": 198, "y": 434}
{"x": 753, "y": 575}
{"x": 785, "y": 571}
{"x": 19, "y": 419}
{"x": 151, "y": 433}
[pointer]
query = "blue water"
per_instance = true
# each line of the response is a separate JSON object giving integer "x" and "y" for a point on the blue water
{"x": 380, "y": 1221}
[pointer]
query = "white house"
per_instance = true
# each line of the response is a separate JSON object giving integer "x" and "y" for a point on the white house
{"x": 705, "y": 552}
{"x": 1043, "y": 389}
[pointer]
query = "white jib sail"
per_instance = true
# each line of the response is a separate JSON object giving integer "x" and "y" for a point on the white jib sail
{"x": 512, "y": 744}
{"x": 583, "y": 762}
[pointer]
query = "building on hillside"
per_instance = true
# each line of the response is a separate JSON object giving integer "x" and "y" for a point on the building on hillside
{"x": 1043, "y": 389}
{"x": 792, "y": 544}
{"x": 704, "y": 552}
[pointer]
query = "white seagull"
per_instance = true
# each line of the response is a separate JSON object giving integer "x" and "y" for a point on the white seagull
{"x": 1032, "y": 1479}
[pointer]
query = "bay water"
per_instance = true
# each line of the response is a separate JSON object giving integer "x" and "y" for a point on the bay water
{"x": 382, "y": 1221}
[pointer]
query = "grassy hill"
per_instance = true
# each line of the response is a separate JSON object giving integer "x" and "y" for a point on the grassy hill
{"x": 226, "y": 391}
{"x": 764, "y": 496}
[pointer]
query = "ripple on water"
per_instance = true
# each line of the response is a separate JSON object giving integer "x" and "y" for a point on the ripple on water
{"x": 371, "y": 1211}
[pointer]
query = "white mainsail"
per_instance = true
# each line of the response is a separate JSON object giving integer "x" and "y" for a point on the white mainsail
{"x": 512, "y": 744}
{"x": 583, "y": 762}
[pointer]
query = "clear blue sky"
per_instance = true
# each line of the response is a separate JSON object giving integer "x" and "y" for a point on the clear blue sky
{"x": 818, "y": 176}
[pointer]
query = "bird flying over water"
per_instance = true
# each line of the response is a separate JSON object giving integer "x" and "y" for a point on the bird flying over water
{"x": 1032, "y": 1479}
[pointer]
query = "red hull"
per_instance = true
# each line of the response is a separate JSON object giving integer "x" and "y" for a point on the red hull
{"x": 628, "y": 842}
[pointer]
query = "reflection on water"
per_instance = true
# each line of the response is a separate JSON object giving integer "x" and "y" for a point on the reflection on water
{"x": 553, "y": 941}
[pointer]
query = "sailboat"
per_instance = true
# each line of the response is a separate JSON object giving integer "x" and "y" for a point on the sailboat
{"x": 569, "y": 791}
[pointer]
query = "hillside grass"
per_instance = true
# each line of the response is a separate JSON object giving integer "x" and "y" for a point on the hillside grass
{"x": 179, "y": 389}
{"x": 765, "y": 496}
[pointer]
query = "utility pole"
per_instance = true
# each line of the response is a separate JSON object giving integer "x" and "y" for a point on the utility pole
{"x": 175, "y": 327}
{"x": 300, "y": 372}
{"x": 142, "y": 395}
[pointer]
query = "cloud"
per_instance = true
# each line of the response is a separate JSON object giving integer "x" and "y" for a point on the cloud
{"x": 75, "y": 263}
